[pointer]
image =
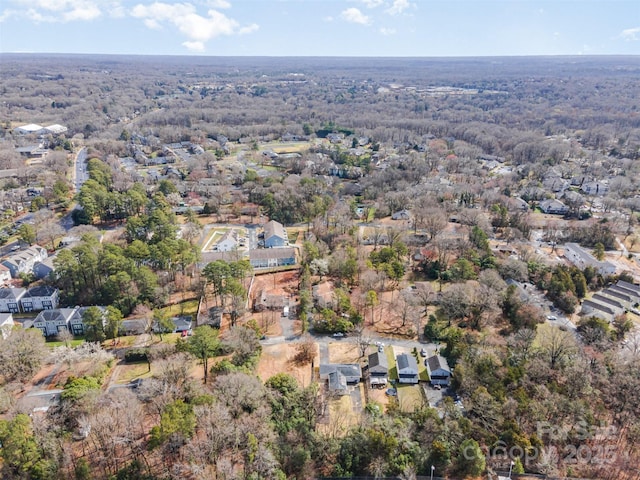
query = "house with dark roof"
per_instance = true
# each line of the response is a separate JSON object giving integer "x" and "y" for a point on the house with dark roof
{"x": 438, "y": 369}
{"x": 407, "y": 369}
{"x": 10, "y": 299}
{"x": 340, "y": 377}
{"x": 378, "y": 369}
{"x": 52, "y": 322}
{"x": 44, "y": 268}
{"x": 43, "y": 297}
{"x": 275, "y": 235}
{"x": 272, "y": 257}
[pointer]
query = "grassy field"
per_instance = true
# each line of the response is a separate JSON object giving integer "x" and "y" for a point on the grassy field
{"x": 188, "y": 307}
{"x": 410, "y": 397}
{"x": 131, "y": 372}
{"x": 391, "y": 360}
{"x": 56, "y": 343}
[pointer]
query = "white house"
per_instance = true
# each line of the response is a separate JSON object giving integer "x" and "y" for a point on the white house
{"x": 52, "y": 322}
{"x": 553, "y": 206}
{"x": 31, "y": 129}
{"x": 228, "y": 242}
{"x": 275, "y": 235}
{"x": 582, "y": 259}
{"x": 40, "y": 298}
{"x": 5, "y": 275}
{"x": 6, "y": 324}
{"x": 407, "y": 369}
{"x": 272, "y": 257}
{"x": 10, "y": 299}
{"x": 24, "y": 260}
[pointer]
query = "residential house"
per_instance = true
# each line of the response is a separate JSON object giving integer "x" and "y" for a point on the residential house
{"x": 323, "y": 296}
{"x": 268, "y": 300}
{"x": 582, "y": 259}
{"x": 228, "y": 242}
{"x": 52, "y": 322}
{"x": 595, "y": 188}
{"x": 340, "y": 377}
{"x": 10, "y": 299}
{"x": 44, "y": 268}
{"x": 629, "y": 286}
{"x": 401, "y": 215}
{"x": 272, "y": 257}
{"x": 40, "y": 298}
{"x": 6, "y": 324}
{"x": 438, "y": 369}
{"x": 407, "y": 368}
{"x": 24, "y": 260}
{"x": 134, "y": 326}
{"x": 31, "y": 129}
{"x": 5, "y": 275}
{"x": 553, "y": 206}
{"x": 378, "y": 369}
{"x": 595, "y": 309}
{"x": 275, "y": 235}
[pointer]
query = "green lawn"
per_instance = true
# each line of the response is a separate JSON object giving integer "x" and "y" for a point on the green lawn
{"x": 410, "y": 397}
{"x": 129, "y": 373}
{"x": 73, "y": 343}
{"x": 423, "y": 374}
{"x": 188, "y": 307}
{"x": 391, "y": 360}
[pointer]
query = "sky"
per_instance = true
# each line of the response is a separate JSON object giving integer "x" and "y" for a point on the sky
{"x": 379, "y": 28}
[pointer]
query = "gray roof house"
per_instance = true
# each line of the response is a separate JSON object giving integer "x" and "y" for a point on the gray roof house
{"x": 275, "y": 235}
{"x": 582, "y": 259}
{"x": 553, "y": 206}
{"x": 52, "y": 322}
{"x": 24, "y": 260}
{"x": 401, "y": 215}
{"x": 43, "y": 297}
{"x": 378, "y": 369}
{"x": 407, "y": 368}
{"x": 439, "y": 371}
{"x": 44, "y": 268}
{"x": 272, "y": 257}
{"x": 10, "y": 299}
{"x": 595, "y": 309}
{"x": 340, "y": 376}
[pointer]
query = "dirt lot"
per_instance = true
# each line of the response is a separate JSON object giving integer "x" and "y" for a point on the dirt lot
{"x": 344, "y": 353}
{"x": 279, "y": 358}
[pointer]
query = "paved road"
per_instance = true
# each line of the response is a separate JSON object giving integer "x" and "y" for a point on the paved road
{"x": 80, "y": 169}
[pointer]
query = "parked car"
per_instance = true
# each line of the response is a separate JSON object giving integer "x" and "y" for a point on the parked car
{"x": 423, "y": 353}
{"x": 338, "y": 335}
{"x": 392, "y": 392}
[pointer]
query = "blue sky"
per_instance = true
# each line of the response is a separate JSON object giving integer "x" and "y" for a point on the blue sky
{"x": 322, "y": 27}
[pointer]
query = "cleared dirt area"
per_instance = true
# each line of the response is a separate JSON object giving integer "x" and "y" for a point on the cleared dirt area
{"x": 280, "y": 358}
{"x": 344, "y": 353}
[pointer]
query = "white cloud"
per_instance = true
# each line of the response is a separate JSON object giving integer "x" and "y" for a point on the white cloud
{"x": 399, "y": 6}
{"x": 57, "y": 10}
{"x": 194, "y": 46}
{"x": 196, "y": 27}
{"x": 353, "y": 15}
{"x": 630, "y": 34}
{"x": 387, "y": 31}
{"x": 218, "y": 4}
{"x": 371, "y": 3}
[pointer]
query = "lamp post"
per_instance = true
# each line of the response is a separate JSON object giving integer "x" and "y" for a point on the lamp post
{"x": 510, "y": 468}
{"x": 432, "y": 469}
